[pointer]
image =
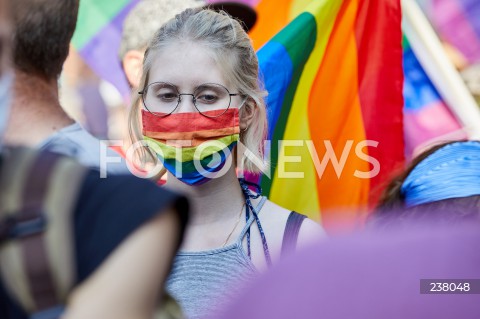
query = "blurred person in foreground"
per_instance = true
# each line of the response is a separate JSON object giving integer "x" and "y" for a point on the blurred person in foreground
{"x": 372, "y": 275}
{"x": 121, "y": 248}
{"x": 42, "y": 30}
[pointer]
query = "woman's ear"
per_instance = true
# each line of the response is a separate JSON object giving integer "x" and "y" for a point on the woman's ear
{"x": 132, "y": 65}
{"x": 247, "y": 112}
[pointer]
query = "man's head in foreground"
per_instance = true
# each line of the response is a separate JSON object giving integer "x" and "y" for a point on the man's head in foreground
{"x": 42, "y": 33}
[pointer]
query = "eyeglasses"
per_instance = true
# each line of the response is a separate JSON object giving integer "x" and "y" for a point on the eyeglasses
{"x": 162, "y": 98}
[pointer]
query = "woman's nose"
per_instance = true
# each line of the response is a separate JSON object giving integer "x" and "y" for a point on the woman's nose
{"x": 185, "y": 104}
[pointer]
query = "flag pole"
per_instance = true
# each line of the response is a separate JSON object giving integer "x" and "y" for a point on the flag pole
{"x": 431, "y": 55}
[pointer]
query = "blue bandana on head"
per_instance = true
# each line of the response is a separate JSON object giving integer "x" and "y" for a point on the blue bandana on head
{"x": 451, "y": 172}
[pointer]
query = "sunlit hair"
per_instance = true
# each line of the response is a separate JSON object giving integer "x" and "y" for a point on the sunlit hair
{"x": 232, "y": 51}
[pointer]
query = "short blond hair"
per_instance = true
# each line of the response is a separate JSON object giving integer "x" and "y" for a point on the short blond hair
{"x": 235, "y": 56}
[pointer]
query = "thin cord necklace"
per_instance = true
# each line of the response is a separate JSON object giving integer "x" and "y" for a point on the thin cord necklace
{"x": 249, "y": 208}
{"x": 234, "y": 227}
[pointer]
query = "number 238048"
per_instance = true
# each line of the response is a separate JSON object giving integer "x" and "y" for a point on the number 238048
{"x": 449, "y": 286}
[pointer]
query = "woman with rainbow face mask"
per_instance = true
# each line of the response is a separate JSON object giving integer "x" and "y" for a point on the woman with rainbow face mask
{"x": 199, "y": 100}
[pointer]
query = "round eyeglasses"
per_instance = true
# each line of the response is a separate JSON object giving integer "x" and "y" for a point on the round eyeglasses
{"x": 162, "y": 98}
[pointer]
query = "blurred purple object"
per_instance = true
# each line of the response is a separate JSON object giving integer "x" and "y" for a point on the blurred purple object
{"x": 370, "y": 275}
{"x": 458, "y": 22}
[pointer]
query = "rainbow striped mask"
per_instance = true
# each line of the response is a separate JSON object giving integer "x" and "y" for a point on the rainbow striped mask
{"x": 191, "y": 146}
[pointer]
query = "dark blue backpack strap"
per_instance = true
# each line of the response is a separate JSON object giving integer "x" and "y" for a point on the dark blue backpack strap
{"x": 290, "y": 236}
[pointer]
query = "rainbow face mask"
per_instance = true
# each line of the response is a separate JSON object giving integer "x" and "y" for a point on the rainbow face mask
{"x": 191, "y": 146}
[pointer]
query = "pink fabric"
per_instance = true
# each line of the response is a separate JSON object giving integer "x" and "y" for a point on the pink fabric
{"x": 432, "y": 123}
{"x": 455, "y": 27}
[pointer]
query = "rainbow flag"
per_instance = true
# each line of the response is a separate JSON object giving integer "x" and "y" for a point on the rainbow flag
{"x": 427, "y": 118}
{"x": 458, "y": 22}
{"x": 334, "y": 76}
{"x": 97, "y": 38}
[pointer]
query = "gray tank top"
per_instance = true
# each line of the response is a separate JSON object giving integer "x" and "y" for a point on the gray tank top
{"x": 202, "y": 281}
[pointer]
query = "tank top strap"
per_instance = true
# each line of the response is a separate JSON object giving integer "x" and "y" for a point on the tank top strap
{"x": 251, "y": 219}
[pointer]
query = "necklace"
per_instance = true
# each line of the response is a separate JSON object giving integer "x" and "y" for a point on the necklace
{"x": 235, "y": 226}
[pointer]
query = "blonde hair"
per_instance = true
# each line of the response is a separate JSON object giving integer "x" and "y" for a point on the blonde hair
{"x": 234, "y": 54}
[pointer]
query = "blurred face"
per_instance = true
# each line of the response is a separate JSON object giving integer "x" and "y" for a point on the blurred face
{"x": 187, "y": 68}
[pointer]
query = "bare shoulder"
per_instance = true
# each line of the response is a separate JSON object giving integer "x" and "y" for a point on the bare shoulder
{"x": 278, "y": 214}
{"x": 274, "y": 218}
{"x": 310, "y": 231}
{"x": 273, "y": 213}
